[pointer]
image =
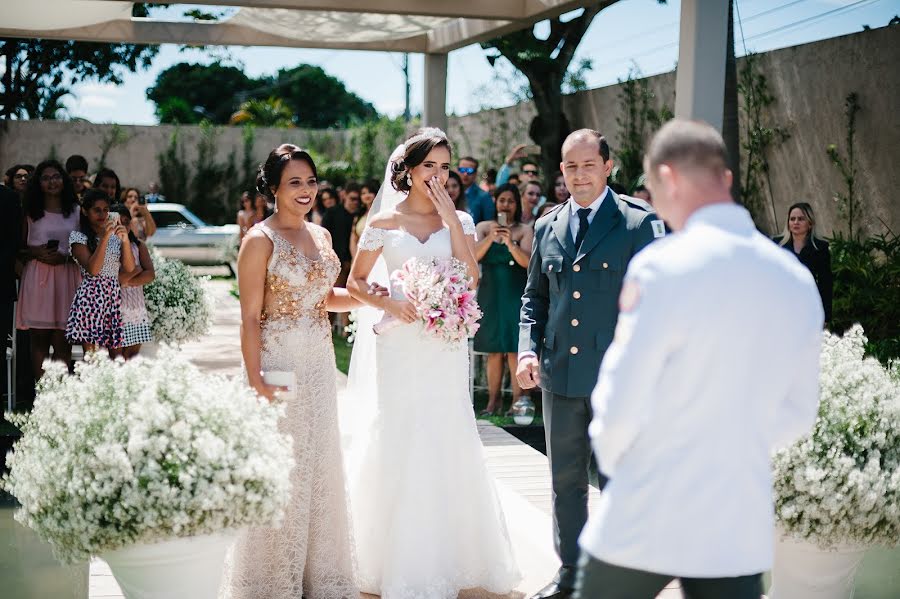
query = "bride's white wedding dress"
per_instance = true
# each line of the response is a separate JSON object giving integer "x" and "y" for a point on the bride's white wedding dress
{"x": 426, "y": 515}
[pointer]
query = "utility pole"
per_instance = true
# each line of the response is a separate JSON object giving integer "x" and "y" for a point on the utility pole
{"x": 406, "y": 113}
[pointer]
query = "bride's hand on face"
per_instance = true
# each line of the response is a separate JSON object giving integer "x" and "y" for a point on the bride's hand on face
{"x": 442, "y": 201}
{"x": 401, "y": 310}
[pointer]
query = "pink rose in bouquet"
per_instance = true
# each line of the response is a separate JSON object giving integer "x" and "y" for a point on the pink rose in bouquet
{"x": 438, "y": 288}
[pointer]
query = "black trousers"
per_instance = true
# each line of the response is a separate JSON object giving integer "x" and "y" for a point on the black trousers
{"x": 600, "y": 580}
{"x": 566, "y": 421}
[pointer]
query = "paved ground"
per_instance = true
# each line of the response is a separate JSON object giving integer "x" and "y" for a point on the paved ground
{"x": 522, "y": 473}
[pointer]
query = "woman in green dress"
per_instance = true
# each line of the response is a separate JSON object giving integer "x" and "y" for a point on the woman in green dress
{"x": 503, "y": 249}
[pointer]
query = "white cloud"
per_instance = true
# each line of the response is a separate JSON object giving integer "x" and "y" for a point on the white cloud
{"x": 95, "y": 101}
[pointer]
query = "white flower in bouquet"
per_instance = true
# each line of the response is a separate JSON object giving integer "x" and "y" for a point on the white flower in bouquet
{"x": 841, "y": 484}
{"x": 142, "y": 451}
{"x": 178, "y": 303}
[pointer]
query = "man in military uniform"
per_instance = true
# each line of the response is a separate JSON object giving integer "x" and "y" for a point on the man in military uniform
{"x": 569, "y": 312}
{"x": 693, "y": 395}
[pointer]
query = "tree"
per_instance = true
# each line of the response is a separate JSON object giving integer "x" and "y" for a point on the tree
{"x": 40, "y": 73}
{"x": 309, "y": 96}
{"x": 317, "y": 99}
{"x": 190, "y": 93}
{"x": 271, "y": 112}
{"x": 545, "y": 64}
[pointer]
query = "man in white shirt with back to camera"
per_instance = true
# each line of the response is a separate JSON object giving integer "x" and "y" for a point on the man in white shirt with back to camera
{"x": 714, "y": 364}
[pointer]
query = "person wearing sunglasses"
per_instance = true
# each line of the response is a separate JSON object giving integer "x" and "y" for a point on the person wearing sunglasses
{"x": 530, "y": 171}
{"x": 480, "y": 203}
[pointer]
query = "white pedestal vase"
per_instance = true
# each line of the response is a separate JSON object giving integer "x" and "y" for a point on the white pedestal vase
{"x": 181, "y": 568}
{"x": 802, "y": 570}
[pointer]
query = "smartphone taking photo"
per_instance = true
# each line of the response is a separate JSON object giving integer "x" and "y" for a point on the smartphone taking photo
{"x": 503, "y": 219}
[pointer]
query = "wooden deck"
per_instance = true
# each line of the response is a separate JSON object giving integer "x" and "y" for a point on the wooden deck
{"x": 522, "y": 474}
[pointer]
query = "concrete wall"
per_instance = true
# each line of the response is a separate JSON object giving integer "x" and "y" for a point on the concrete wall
{"x": 809, "y": 83}
{"x": 135, "y": 161}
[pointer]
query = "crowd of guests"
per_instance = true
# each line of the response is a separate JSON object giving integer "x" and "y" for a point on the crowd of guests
{"x": 74, "y": 264}
{"x": 75, "y": 258}
{"x": 504, "y": 203}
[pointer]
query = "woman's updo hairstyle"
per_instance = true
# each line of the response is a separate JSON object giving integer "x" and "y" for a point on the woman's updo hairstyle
{"x": 416, "y": 149}
{"x": 269, "y": 174}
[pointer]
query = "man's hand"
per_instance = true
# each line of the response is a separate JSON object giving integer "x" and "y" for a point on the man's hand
{"x": 528, "y": 372}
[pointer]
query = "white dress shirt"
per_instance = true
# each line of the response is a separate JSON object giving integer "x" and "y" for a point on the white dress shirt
{"x": 574, "y": 207}
{"x": 714, "y": 364}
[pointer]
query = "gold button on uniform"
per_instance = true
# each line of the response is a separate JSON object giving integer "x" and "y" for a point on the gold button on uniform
{"x": 573, "y": 350}
{"x": 576, "y": 295}
{"x": 574, "y": 322}
{"x": 577, "y": 268}
{"x": 605, "y": 265}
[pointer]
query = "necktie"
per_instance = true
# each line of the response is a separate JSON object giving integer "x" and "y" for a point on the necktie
{"x": 582, "y": 226}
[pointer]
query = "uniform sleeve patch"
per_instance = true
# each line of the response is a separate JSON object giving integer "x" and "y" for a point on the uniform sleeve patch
{"x": 630, "y": 296}
{"x": 659, "y": 228}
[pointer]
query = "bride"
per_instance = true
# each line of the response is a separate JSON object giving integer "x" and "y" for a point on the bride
{"x": 426, "y": 516}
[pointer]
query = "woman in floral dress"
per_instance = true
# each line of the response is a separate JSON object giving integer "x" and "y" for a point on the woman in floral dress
{"x": 102, "y": 249}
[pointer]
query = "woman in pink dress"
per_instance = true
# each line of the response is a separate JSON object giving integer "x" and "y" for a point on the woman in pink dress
{"x": 50, "y": 278}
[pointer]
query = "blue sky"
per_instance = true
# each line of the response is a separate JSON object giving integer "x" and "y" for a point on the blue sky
{"x": 630, "y": 33}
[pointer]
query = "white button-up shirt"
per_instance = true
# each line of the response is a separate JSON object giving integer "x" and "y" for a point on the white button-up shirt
{"x": 715, "y": 362}
{"x": 574, "y": 207}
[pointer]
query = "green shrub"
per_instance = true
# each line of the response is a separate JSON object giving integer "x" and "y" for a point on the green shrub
{"x": 867, "y": 290}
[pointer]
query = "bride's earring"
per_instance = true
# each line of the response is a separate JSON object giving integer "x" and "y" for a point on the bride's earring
{"x": 409, "y": 180}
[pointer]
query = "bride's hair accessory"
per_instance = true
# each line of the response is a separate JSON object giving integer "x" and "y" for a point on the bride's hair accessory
{"x": 269, "y": 174}
{"x": 415, "y": 149}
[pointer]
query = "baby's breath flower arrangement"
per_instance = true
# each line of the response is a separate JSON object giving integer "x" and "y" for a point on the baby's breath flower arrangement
{"x": 841, "y": 484}
{"x": 143, "y": 451}
{"x": 178, "y": 303}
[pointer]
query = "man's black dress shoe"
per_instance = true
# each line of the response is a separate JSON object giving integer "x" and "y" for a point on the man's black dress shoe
{"x": 553, "y": 591}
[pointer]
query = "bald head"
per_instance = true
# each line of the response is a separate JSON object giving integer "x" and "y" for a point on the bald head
{"x": 688, "y": 145}
{"x": 587, "y": 136}
{"x": 687, "y": 168}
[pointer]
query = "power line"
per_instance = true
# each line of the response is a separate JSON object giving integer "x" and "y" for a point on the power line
{"x": 830, "y": 13}
{"x": 826, "y": 14}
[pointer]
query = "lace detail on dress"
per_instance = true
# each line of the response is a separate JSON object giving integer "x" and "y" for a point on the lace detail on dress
{"x": 438, "y": 526}
{"x": 312, "y": 553}
{"x": 468, "y": 224}
{"x": 372, "y": 239}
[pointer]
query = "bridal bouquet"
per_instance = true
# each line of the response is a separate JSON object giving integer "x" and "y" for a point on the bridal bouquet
{"x": 841, "y": 484}
{"x": 438, "y": 288}
{"x": 142, "y": 451}
{"x": 178, "y": 303}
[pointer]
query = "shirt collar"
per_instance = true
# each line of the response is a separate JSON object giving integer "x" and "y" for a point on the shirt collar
{"x": 728, "y": 216}
{"x": 574, "y": 206}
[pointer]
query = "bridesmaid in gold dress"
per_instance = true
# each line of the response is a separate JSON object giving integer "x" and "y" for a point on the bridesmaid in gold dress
{"x": 286, "y": 272}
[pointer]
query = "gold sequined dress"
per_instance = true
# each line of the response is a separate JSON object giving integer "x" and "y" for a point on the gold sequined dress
{"x": 312, "y": 553}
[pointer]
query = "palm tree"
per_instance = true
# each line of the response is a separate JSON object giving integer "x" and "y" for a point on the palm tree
{"x": 271, "y": 112}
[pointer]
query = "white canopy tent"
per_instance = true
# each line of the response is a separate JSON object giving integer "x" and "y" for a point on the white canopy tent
{"x": 431, "y": 27}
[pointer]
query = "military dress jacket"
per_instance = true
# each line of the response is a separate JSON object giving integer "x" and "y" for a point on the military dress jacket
{"x": 570, "y": 305}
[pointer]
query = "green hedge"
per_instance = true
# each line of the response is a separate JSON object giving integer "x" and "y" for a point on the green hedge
{"x": 867, "y": 290}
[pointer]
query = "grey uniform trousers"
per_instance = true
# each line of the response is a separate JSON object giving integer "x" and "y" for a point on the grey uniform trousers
{"x": 566, "y": 421}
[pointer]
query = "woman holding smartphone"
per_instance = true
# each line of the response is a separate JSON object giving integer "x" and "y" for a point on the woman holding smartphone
{"x": 503, "y": 249}
{"x": 49, "y": 279}
{"x": 102, "y": 249}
